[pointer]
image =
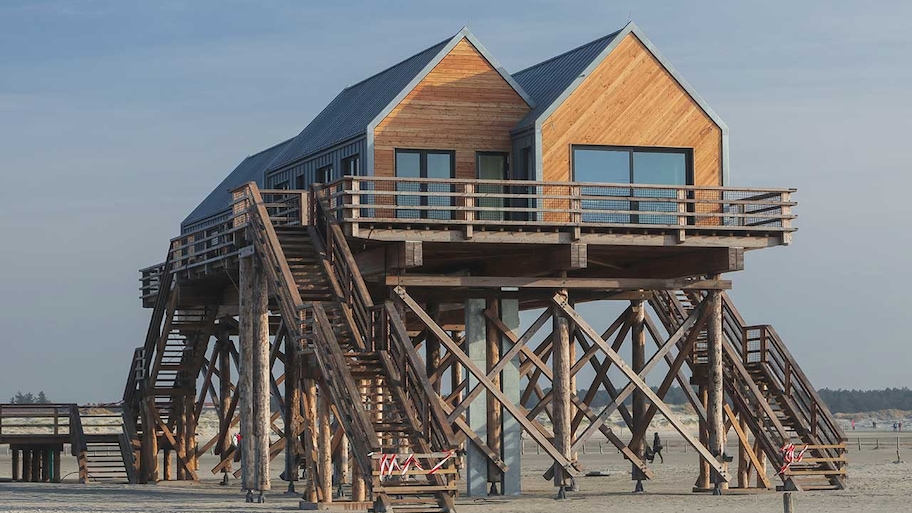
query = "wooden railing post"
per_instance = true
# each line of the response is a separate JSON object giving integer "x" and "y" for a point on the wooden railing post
{"x": 576, "y": 210}
{"x": 682, "y": 210}
{"x": 355, "y": 202}
{"x": 786, "y": 222}
{"x": 469, "y": 191}
{"x": 304, "y": 208}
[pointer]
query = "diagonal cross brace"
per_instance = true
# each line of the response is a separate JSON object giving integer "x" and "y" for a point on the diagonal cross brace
{"x": 636, "y": 381}
{"x": 470, "y": 366}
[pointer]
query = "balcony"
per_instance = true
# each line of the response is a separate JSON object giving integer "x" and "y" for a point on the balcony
{"x": 503, "y": 211}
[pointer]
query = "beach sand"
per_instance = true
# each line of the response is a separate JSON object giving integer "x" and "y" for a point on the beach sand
{"x": 876, "y": 485}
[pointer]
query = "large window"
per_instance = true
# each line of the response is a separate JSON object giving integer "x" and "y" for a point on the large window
{"x": 625, "y": 165}
{"x": 425, "y": 164}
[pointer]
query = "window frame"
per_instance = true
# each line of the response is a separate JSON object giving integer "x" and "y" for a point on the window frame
{"x": 355, "y": 157}
{"x": 423, "y": 173}
{"x": 327, "y": 171}
{"x": 631, "y": 151}
{"x": 687, "y": 152}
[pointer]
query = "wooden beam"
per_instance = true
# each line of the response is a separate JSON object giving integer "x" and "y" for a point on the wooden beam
{"x": 517, "y": 411}
{"x": 637, "y": 381}
{"x": 426, "y": 280}
{"x": 390, "y": 257}
{"x": 696, "y": 262}
{"x": 746, "y": 451}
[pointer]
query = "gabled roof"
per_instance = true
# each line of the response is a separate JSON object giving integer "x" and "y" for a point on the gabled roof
{"x": 250, "y": 169}
{"x": 546, "y": 80}
{"x": 358, "y": 108}
{"x": 349, "y": 113}
{"x": 554, "y": 80}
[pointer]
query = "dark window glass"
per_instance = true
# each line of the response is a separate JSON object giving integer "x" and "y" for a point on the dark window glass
{"x": 351, "y": 166}
{"x": 324, "y": 174}
{"x": 300, "y": 182}
{"x": 282, "y": 185}
{"x": 425, "y": 164}
{"x": 491, "y": 166}
{"x": 653, "y": 166}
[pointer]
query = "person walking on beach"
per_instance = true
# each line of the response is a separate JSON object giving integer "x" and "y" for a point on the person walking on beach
{"x": 853, "y": 424}
{"x": 657, "y": 447}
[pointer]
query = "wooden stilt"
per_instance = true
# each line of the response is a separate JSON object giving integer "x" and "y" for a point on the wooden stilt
{"x": 703, "y": 478}
{"x": 262, "y": 375}
{"x": 150, "y": 442}
{"x": 432, "y": 345}
{"x": 245, "y": 374}
{"x": 343, "y": 460}
{"x": 359, "y": 486}
{"x": 36, "y": 466}
{"x": 224, "y": 356}
{"x": 744, "y": 463}
{"x": 561, "y": 390}
{"x": 181, "y": 436}
{"x": 324, "y": 441}
{"x": 166, "y": 466}
{"x": 56, "y": 476}
{"x": 714, "y": 412}
{"x": 494, "y": 410}
{"x": 16, "y": 464}
{"x": 761, "y": 465}
{"x": 310, "y": 438}
{"x": 638, "y": 362}
{"x": 45, "y": 465}
{"x": 292, "y": 412}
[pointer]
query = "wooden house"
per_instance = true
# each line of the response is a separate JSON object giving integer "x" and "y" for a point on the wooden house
{"x": 369, "y": 275}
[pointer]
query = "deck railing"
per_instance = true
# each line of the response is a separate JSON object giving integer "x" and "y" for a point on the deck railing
{"x": 493, "y": 204}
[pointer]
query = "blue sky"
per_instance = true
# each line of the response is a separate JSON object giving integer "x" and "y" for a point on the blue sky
{"x": 117, "y": 118}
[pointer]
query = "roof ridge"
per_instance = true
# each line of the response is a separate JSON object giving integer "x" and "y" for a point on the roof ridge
{"x": 377, "y": 74}
{"x": 612, "y": 35}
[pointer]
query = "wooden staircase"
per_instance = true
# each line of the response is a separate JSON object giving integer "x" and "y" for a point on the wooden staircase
{"x": 163, "y": 376}
{"x": 763, "y": 380}
{"x": 103, "y": 450}
{"x": 369, "y": 367}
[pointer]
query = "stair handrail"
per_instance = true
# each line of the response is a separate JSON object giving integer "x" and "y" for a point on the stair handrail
{"x": 165, "y": 283}
{"x": 416, "y": 382}
{"x": 265, "y": 237}
{"x": 341, "y": 260}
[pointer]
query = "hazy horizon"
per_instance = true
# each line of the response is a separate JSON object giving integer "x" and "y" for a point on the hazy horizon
{"x": 117, "y": 119}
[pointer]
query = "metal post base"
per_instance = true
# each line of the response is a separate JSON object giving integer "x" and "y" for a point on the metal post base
{"x": 561, "y": 492}
{"x": 639, "y": 487}
{"x": 493, "y": 490}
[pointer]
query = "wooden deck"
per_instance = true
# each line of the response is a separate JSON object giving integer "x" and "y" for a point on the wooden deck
{"x": 512, "y": 211}
{"x": 617, "y": 222}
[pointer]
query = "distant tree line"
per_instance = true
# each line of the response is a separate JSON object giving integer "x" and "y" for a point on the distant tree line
{"x": 30, "y": 398}
{"x": 855, "y": 401}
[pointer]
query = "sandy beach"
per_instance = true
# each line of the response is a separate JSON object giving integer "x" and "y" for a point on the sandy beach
{"x": 877, "y": 484}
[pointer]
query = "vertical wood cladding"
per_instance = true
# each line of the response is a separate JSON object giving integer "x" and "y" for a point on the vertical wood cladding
{"x": 463, "y": 104}
{"x": 631, "y": 100}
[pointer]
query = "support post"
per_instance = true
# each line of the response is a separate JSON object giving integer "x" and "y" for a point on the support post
{"x": 512, "y": 430}
{"x": 310, "y": 437}
{"x": 638, "y": 362}
{"x": 166, "y": 466}
{"x": 150, "y": 440}
{"x": 714, "y": 413}
{"x": 292, "y": 413}
{"x": 224, "y": 355}
{"x": 262, "y": 376}
{"x": 561, "y": 416}
{"x": 494, "y": 414}
{"x": 16, "y": 463}
{"x": 324, "y": 466}
{"x": 476, "y": 414}
{"x": 245, "y": 374}
{"x": 57, "y": 472}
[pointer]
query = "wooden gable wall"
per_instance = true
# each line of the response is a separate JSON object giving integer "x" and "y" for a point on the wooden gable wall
{"x": 463, "y": 104}
{"x": 630, "y": 99}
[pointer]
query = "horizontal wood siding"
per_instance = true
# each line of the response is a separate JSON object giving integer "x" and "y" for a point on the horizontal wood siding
{"x": 463, "y": 104}
{"x": 631, "y": 100}
{"x": 308, "y": 167}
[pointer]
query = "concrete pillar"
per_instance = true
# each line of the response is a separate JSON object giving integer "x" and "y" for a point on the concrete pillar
{"x": 512, "y": 430}
{"x": 476, "y": 471}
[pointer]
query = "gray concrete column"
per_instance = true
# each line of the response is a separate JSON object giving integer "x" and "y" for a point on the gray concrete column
{"x": 512, "y": 430}
{"x": 476, "y": 470}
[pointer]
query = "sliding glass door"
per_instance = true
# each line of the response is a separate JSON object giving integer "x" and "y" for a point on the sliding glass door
{"x": 425, "y": 164}
{"x": 627, "y": 165}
